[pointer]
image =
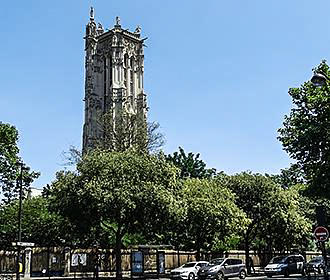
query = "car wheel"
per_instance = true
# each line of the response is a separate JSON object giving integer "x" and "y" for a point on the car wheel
{"x": 221, "y": 276}
{"x": 242, "y": 274}
{"x": 191, "y": 276}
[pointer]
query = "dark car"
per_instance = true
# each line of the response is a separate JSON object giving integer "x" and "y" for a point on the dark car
{"x": 286, "y": 265}
{"x": 316, "y": 264}
{"x": 223, "y": 268}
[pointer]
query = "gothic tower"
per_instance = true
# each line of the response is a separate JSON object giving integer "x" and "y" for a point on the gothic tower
{"x": 113, "y": 76}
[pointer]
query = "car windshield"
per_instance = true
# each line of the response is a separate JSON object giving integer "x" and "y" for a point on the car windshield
{"x": 280, "y": 259}
{"x": 216, "y": 261}
{"x": 316, "y": 259}
{"x": 191, "y": 264}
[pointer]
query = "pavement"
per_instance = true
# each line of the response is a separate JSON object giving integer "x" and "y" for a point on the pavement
{"x": 257, "y": 275}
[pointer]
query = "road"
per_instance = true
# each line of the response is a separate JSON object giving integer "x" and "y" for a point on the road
{"x": 279, "y": 277}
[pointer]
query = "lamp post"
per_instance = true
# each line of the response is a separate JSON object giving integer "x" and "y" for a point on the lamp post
{"x": 20, "y": 185}
{"x": 319, "y": 80}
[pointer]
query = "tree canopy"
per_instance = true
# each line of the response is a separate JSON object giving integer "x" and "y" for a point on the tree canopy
{"x": 191, "y": 165}
{"x": 123, "y": 192}
{"x": 305, "y": 134}
{"x": 9, "y": 167}
{"x": 211, "y": 220}
{"x": 273, "y": 211}
{"x": 39, "y": 225}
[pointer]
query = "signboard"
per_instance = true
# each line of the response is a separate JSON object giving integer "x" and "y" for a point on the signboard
{"x": 321, "y": 233}
{"x": 79, "y": 259}
{"x": 161, "y": 262}
{"x": 23, "y": 244}
{"x": 137, "y": 263}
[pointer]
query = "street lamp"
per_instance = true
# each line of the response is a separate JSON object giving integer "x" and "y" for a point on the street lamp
{"x": 20, "y": 185}
{"x": 319, "y": 79}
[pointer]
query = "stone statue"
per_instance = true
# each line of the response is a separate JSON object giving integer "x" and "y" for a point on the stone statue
{"x": 117, "y": 20}
{"x": 91, "y": 14}
{"x": 138, "y": 29}
{"x": 114, "y": 40}
{"x": 100, "y": 29}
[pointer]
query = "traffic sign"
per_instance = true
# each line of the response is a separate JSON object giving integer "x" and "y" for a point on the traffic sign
{"x": 321, "y": 233}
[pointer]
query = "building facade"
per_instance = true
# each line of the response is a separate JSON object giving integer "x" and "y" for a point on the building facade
{"x": 114, "y": 66}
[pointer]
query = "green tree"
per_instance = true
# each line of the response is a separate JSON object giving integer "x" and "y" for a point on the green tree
{"x": 9, "y": 168}
{"x": 305, "y": 134}
{"x": 253, "y": 194}
{"x": 277, "y": 216}
{"x": 210, "y": 218}
{"x": 123, "y": 192}
{"x": 190, "y": 165}
{"x": 38, "y": 224}
{"x": 289, "y": 226}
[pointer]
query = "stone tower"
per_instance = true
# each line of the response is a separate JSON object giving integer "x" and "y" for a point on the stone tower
{"x": 113, "y": 77}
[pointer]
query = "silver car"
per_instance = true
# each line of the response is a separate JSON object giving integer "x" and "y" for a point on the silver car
{"x": 223, "y": 268}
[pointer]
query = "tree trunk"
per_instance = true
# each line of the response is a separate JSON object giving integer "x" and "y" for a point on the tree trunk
{"x": 247, "y": 256}
{"x": 198, "y": 254}
{"x": 247, "y": 248}
{"x": 198, "y": 248}
{"x": 118, "y": 254}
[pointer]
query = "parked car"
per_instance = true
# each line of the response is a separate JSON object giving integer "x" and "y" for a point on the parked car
{"x": 286, "y": 265}
{"x": 316, "y": 264}
{"x": 188, "y": 270}
{"x": 223, "y": 268}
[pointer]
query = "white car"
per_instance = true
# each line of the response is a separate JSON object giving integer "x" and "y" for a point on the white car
{"x": 188, "y": 271}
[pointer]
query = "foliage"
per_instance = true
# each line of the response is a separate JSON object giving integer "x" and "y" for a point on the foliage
{"x": 289, "y": 177}
{"x": 9, "y": 167}
{"x": 38, "y": 224}
{"x": 274, "y": 213}
{"x": 211, "y": 220}
{"x": 122, "y": 130}
{"x": 289, "y": 226}
{"x": 72, "y": 156}
{"x": 190, "y": 165}
{"x": 305, "y": 134}
{"x": 125, "y": 192}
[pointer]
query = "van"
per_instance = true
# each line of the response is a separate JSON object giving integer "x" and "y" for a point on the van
{"x": 286, "y": 265}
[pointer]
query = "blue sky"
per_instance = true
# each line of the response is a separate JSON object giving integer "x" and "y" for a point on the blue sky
{"x": 217, "y": 73}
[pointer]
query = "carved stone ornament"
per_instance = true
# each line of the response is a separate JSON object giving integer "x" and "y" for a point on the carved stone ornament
{"x": 114, "y": 40}
{"x": 117, "y": 61}
{"x": 92, "y": 102}
{"x": 125, "y": 42}
{"x": 97, "y": 104}
{"x": 131, "y": 49}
